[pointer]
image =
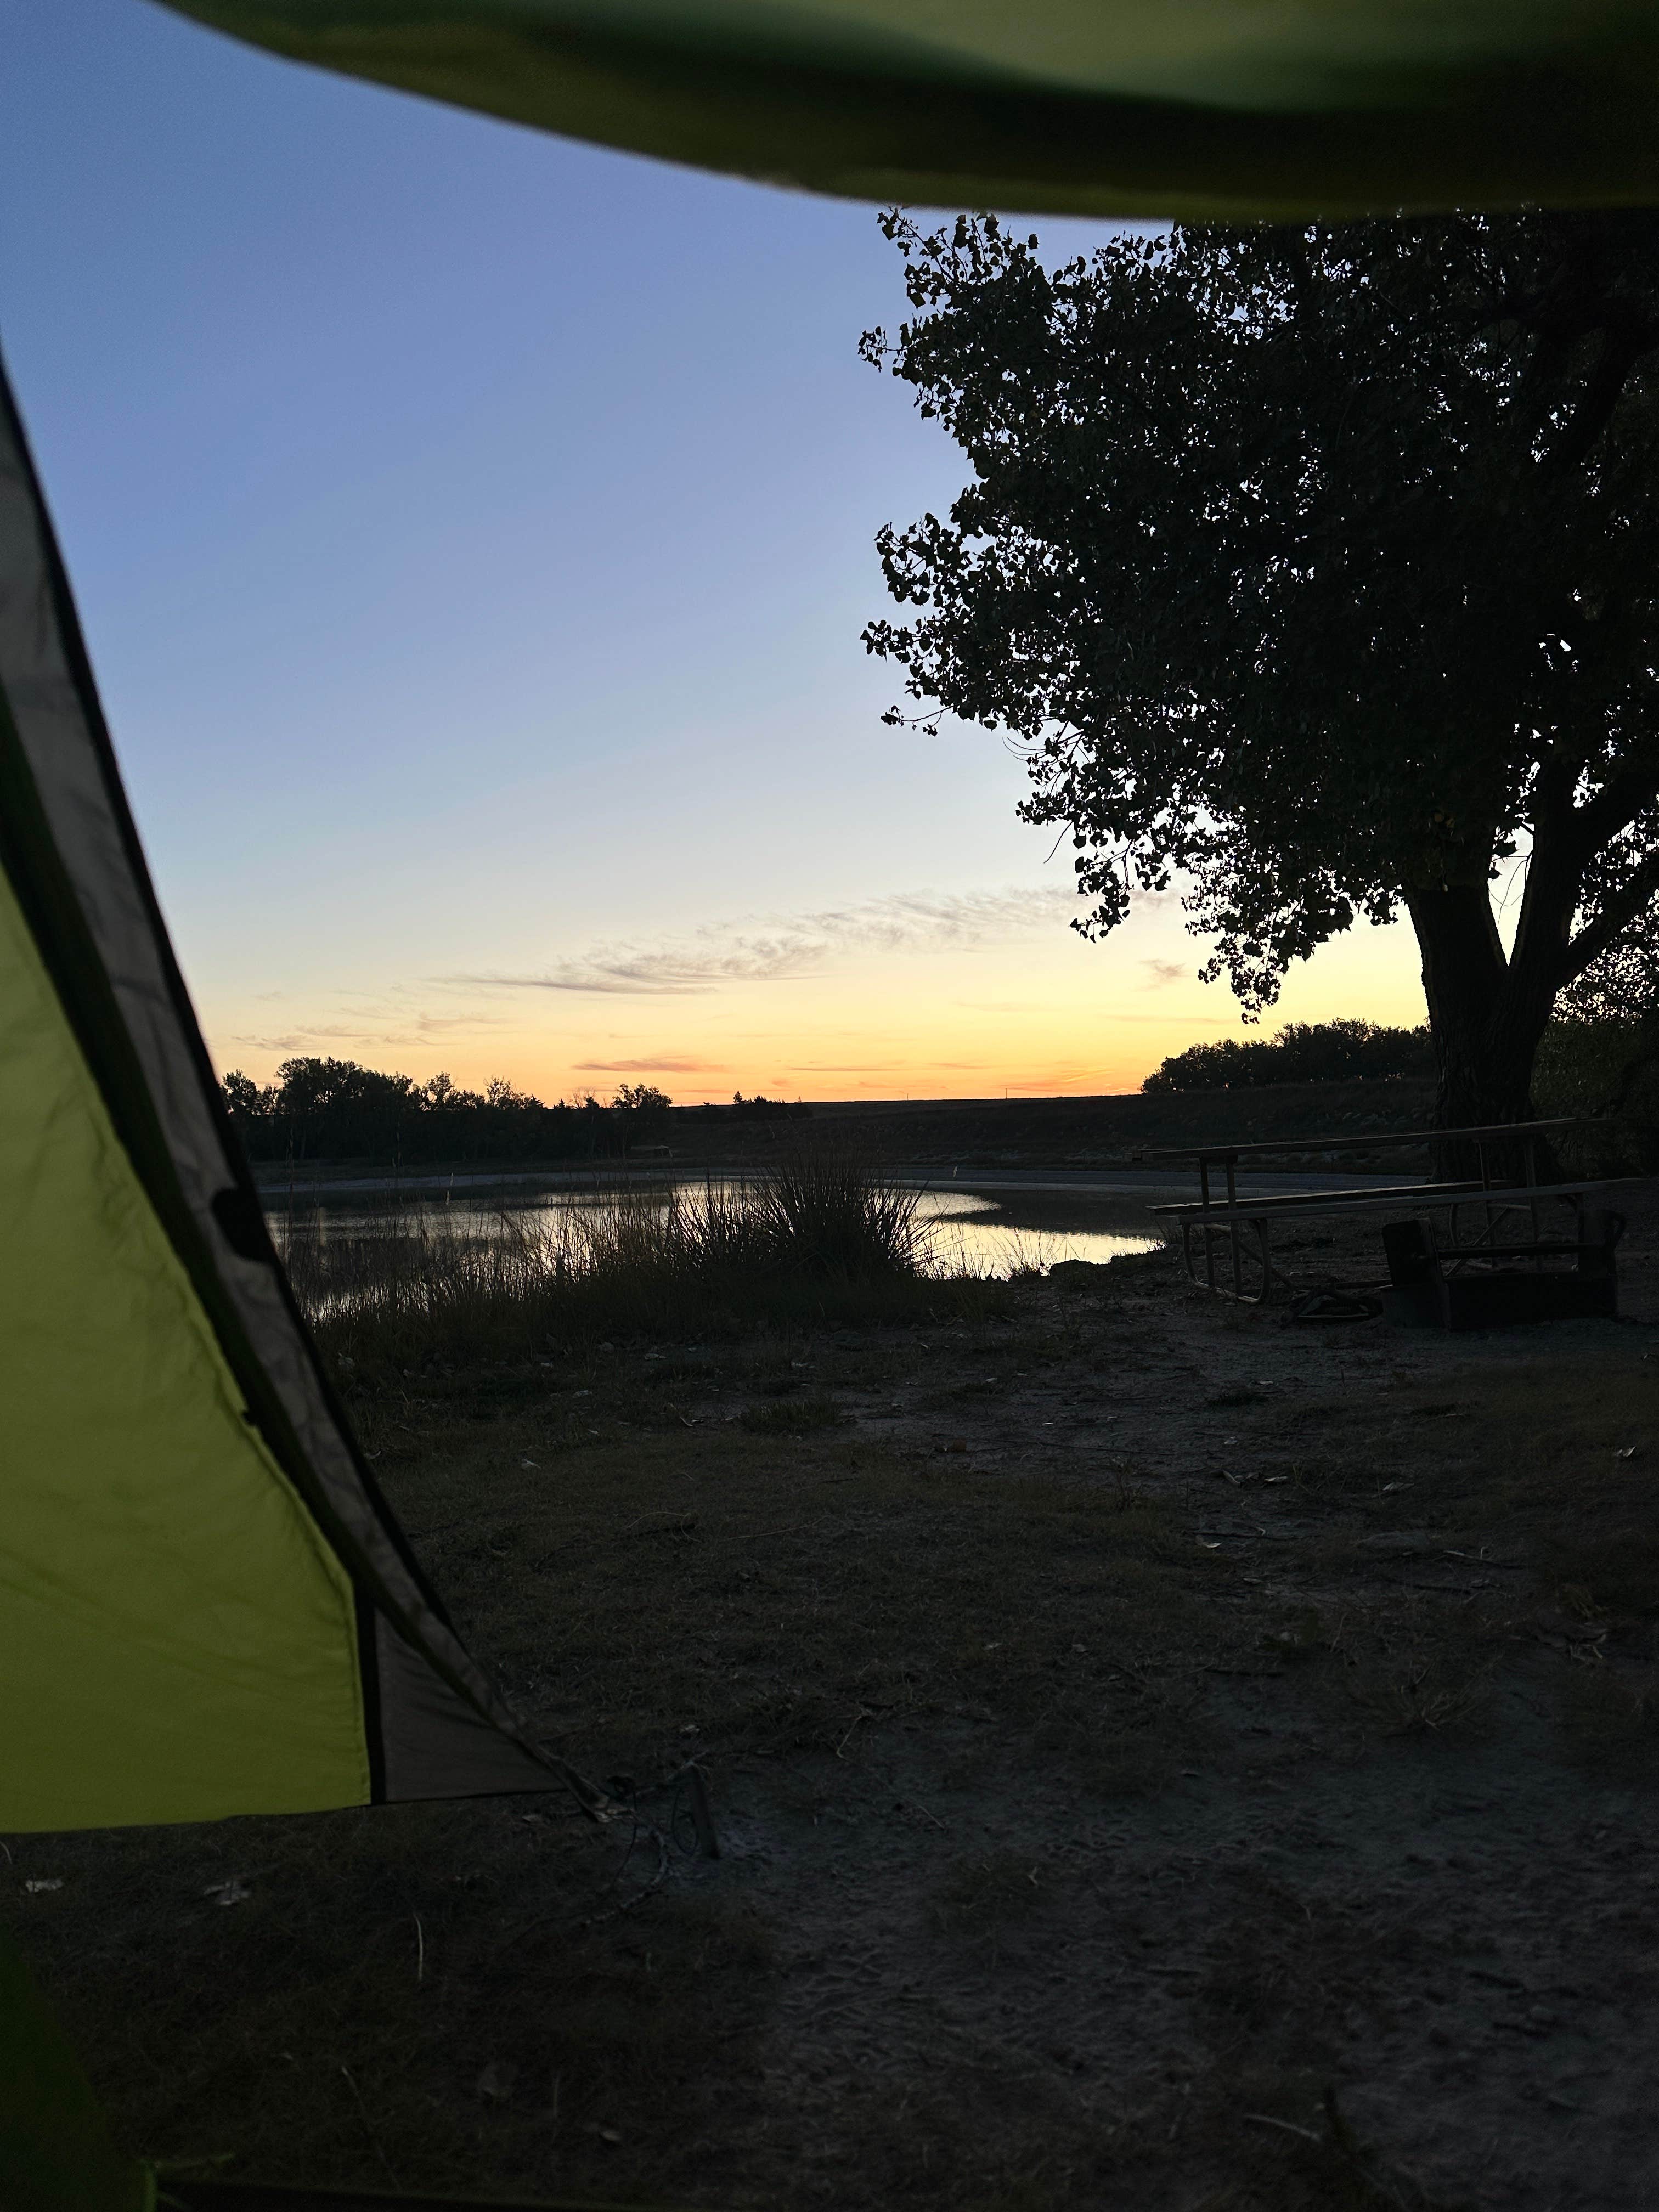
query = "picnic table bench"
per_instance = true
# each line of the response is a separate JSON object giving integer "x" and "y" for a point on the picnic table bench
{"x": 1434, "y": 1273}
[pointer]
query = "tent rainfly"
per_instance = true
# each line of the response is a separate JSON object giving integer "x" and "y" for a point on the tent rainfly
{"x": 206, "y": 1608}
{"x": 1204, "y": 109}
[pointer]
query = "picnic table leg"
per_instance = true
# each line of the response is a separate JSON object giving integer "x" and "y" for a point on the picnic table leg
{"x": 1232, "y": 1233}
{"x": 1530, "y": 1176}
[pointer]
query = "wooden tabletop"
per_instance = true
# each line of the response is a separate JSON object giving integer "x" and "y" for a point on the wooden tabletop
{"x": 1226, "y": 1152}
{"x": 1400, "y": 1197}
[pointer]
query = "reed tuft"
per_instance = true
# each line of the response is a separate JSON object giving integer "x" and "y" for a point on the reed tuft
{"x": 819, "y": 1236}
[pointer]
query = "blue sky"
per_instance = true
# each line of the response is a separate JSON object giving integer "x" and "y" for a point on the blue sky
{"x": 473, "y": 533}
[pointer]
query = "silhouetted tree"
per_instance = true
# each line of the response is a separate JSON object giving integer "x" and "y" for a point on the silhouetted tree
{"x": 1302, "y": 1052}
{"x": 1320, "y": 566}
{"x": 642, "y": 1100}
{"x": 1611, "y": 1025}
{"x": 322, "y": 1108}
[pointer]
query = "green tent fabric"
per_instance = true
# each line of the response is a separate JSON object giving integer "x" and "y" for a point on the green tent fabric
{"x": 204, "y": 1607}
{"x": 1199, "y": 108}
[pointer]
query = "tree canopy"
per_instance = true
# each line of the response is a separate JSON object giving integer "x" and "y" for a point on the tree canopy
{"x": 1319, "y": 567}
{"x": 1302, "y": 1052}
{"x": 322, "y": 1108}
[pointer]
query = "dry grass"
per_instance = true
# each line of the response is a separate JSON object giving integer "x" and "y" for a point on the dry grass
{"x": 799, "y": 1592}
{"x": 819, "y": 1237}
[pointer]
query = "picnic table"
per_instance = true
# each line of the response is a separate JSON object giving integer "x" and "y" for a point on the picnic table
{"x": 1435, "y": 1271}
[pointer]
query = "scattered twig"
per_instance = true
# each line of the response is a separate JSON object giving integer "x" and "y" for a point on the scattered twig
{"x": 656, "y": 1880}
{"x": 1288, "y": 2127}
{"x": 627, "y": 1903}
{"x": 368, "y": 2129}
{"x": 1438, "y": 1589}
{"x": 420, "y": 1950}
{"x": 863, "y": 1713}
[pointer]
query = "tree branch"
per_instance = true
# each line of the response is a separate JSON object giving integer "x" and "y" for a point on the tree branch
{"x": 1621, "y": 798}
{"x": 1622, "y": 347}
{"x": 1618, "y": 912}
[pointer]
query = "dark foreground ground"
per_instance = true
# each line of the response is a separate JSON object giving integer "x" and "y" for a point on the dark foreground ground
{"x": 1162, "y": 1758}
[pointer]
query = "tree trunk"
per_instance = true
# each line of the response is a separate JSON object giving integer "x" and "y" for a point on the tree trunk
{"x": 1487, "y": 1019}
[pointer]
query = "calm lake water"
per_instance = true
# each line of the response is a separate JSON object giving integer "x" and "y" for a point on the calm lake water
{"x": 991, "y": 1233}
{"x": 978, "y": 1231}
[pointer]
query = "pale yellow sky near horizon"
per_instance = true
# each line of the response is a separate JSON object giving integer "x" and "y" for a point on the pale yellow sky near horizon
{"x": 960, "y": 995}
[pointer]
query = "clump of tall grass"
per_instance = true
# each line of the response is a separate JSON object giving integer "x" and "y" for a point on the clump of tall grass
{"x": 818, "y": 1236}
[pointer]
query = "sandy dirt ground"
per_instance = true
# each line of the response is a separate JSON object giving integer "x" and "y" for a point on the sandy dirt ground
{"x": 1161, "y": 1757}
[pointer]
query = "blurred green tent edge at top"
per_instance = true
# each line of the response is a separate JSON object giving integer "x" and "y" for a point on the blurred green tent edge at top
{"x": 183, "y": 1491}
{"x": 1203, "y": 109}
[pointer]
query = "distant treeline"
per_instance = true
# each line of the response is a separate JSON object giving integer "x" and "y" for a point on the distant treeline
{"x": 756, "y": 1109}
{"x": 1302, "y": 1052}
{"x": 333, "y": 1109}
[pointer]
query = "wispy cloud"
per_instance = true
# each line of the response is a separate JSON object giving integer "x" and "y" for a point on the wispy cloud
{"x": 1165, "y": 971}
{"x": 791, "y": 949}
{"x": 668, "y": 1064}
{"x": 399, "y": 1028}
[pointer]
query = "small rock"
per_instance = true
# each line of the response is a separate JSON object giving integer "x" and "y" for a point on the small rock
{"x": 496, "y": 2083}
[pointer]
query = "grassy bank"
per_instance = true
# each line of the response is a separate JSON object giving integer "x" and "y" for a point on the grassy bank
{"x": 816, "y": 1238}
